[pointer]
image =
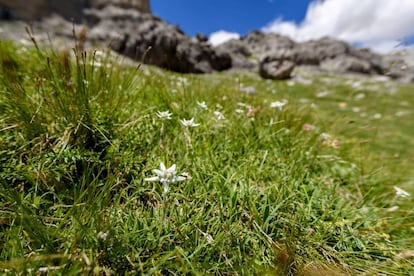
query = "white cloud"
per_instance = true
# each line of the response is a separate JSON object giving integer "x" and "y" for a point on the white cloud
{"x": 378, "y": 24}
{"x": 222, "y": 36}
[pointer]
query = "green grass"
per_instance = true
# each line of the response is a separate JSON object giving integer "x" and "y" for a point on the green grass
{"x": 79, "y": 134}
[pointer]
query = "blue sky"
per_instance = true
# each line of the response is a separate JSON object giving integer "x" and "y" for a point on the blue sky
{"x": 377, "y": 24}
{"x": 241, "y": 16}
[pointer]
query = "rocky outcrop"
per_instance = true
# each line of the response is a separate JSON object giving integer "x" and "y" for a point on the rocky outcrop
{"x": 69, "y": 9}
{"x": 138, "y": 5}
{"x": 266, "y": 51}
{"x": 147, "y": 38}
{"x": 239, "y": 52}
{"x": 400, "y": 65}
{"x": 129, "y": 28}
{"x": 344, "y": 63}
{"x": 276, "y": 68}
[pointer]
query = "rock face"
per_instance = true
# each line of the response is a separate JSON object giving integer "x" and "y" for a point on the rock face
{"x": 29, "y": 10}
{"x": 147, "y": 38}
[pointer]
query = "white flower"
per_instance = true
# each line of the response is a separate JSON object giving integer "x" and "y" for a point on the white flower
{"x": 219, "y": 115}
{"x": 377, "y": 116}
{"x": 189, "y": 123}
{"x": 164, "y": 114}
{"x": 400, "y": 192}
{"x": 102, "y": 235}
{"x": 208, "y": 237}
{"x": 278, "y": 104}
{"x": 166, "y": 176}
{"x": 325, "y": 137}
{"x": 203, "y": 105}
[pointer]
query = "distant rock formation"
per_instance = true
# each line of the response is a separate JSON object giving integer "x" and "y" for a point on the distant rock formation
{"x": 147, "y": 38}
{"x": 326, "y": 54}
{"x": 128, "y": 27}
{"x": 31, "y": 10}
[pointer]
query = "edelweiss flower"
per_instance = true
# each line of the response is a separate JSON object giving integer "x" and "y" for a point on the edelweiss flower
{"x": 400, "y": 192}
{"x": 203, "y": 105}
{"x": 164, "y": 115}
{"x": 325, "y": 137}
{"x": 208, "y": 237}
{"x": 278, "y": 104}
{"x": 166, "y": 176}
{"x": 219, "y": 115}
{"x": 189, "y": 123}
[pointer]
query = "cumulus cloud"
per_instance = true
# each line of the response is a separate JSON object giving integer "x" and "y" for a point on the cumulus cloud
{"x": 222, "y": 36}
{"x": 378, "y": 24}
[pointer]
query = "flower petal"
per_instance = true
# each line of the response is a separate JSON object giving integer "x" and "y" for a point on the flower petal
{"x": 172, "y": 169}
{"x": 162, "y": 166}
{"x": 159, "y": 173}
{"x": 180, "y": 178}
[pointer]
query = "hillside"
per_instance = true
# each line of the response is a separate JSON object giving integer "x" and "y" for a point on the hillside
{"x": 107, "y": 168}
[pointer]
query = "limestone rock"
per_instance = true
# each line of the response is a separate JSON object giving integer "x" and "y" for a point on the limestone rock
{"x": 276, "y": 68}
{"x": 239, "y": 53}
{"x": 151, "y": 40}
{"x": 313, "y": 52}
{"x": 346, "y": 64}
{"x": 69, "y": 9}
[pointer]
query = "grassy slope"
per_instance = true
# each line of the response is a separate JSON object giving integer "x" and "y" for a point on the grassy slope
{"x": 77, "y": 139}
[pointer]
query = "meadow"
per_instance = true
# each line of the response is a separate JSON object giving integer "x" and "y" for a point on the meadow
{"x": 110, "y": 168}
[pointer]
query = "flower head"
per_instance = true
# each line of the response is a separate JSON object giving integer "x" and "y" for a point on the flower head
{"x": 308, "y": 127}
{"x": 325, "y": 137}
{"x": 400, "y": 192}
{"x": 166, "y": 176}
{"x": 219, "y": 115}
{"x": 202, "y": 105}
{"x": 278, "y": 104}
{"x": 250, "y": 112}
{"x": 189, "y": 123}
{"x": 164, "y": 114}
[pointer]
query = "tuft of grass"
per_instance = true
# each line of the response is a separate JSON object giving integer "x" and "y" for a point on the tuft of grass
{"x": 305, "y": 189}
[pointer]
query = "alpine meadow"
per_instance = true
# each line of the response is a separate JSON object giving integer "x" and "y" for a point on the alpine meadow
{"x": 110, "y": 167}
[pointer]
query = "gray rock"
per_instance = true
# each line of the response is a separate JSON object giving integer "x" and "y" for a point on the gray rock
{"x": 376, "y": 61}
{"x": 346, "y": 64}
{"x": 275, "y": 68}
{"x": 313, "y": 52}
{"x": 138, "y": 5}
{"x": 239, "y": 53}
{"x": 261, "y": 44}
{"x": 400, "y": 65}
{"x": 147, "y": 38}
{"x": 69, "y": 9}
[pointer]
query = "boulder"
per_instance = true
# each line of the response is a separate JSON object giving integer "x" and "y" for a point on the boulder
{"x": 260, "y": 44}
{"x": 276, "y": 68}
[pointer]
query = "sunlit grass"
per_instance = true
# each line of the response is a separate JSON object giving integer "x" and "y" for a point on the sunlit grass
{"x": 79, "y": 133}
